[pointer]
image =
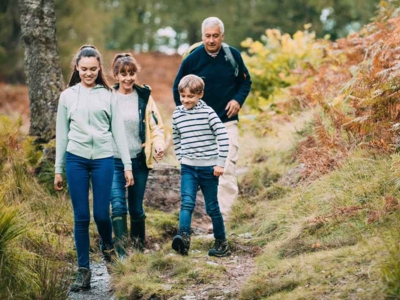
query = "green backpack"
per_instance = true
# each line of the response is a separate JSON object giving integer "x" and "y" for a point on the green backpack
{"x": 227, "y": 51}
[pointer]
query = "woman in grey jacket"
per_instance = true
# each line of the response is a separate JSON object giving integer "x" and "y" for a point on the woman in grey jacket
{"x": 88, "y": 121}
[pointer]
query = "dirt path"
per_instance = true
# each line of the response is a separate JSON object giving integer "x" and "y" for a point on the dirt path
{"x": 238, "y": 269}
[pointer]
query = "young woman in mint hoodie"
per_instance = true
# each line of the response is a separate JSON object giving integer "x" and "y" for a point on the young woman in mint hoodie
{"x": 88, "y": 122}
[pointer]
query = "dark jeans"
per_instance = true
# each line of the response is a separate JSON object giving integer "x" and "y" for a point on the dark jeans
{"x": 191, "y": 178}
{"x": 79, "y": 172}
{"x": 135, "y": 192}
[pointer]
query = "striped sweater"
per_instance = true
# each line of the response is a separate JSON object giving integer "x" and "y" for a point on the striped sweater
{"x": 200, "y": 138}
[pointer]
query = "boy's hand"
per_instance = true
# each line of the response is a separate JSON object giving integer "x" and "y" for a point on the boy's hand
{"x": 218, "y": 171}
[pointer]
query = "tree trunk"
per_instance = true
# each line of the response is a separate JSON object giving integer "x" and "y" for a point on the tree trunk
{"x": 42, "y": 66}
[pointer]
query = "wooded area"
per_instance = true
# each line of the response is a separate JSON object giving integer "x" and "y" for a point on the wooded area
{"x": 318, "y": 215}
{"x": 165, "y": 25}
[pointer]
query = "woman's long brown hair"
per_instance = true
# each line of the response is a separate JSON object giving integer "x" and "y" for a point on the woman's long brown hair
{"x": 87, "y": 51}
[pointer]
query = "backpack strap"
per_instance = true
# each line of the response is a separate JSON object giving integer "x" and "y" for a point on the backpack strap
{"x": 231, "y": 59}
{"x": 191, "y": 49}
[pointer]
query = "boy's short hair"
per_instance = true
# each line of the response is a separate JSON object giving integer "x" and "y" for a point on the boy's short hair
{"x": 192, "y": 82}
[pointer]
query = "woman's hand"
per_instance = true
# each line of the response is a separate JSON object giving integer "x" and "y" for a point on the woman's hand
{"x": 129, "y": 178}
{"x": 58, "y": 182}
{"x": 159, "y": 153}
{"x": 218, "y": 171}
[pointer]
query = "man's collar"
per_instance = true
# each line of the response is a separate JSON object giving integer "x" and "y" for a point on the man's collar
{"x": 213, "y": 54}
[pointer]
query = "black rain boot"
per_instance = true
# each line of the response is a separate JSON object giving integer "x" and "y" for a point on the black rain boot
{"x": 121, "y": 233}
{"x": 138, "y": 234}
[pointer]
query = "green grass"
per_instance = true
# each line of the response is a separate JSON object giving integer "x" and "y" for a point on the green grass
{"x": 333, "y": 238}
{"x": 327, "y": 226}
{"x": 162, "y": 274}
{"x": 35, "y": 232}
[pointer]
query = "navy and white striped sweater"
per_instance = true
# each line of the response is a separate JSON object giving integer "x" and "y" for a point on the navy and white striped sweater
{"x": 199, "y": 136}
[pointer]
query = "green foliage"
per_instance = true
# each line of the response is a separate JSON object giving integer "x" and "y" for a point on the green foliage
{"x": 15, "y": 147}
{"x": 242, "y": 210}
{"x": 279, "y": 61}
{"x": 391, "y": 265}
{"x": 161, "y": 225}
{"x": 336, "y": 220}
{"x": 51, "y": 279}
{"x": 79, "y": 24}
{"x": 135, "y": 26}
{"x": 15, "y": 274}
{"x": 34, "y": 227}
{"x": 11, "y": 52}
{"x": 255, "y": 181}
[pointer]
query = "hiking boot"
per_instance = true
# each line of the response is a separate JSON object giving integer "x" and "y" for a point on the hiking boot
{"x": 181, "y": 243}
{"x": 109, "y": 257}
{"x": 82, "y": 281}
{"x": 220, "y": 249}
{"x": 108, "y": 254}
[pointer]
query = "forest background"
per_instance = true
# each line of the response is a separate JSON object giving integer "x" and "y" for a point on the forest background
{"x": 318, "y": 212}
{"x": 169, "y": 26}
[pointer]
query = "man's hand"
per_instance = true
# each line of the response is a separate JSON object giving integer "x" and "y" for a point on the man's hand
{"x": 218, "y": 171}
{"x": 232, "y": 108}
{"x": 129, "y": 178}
{"x": 58, "y": 182}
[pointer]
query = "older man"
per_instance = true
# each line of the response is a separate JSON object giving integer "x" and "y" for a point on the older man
{"x": 227, "y": 84}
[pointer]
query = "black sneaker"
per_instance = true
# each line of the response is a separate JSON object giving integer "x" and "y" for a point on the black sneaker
{"x": 181, "y": 243}
{"x": 82, "y": 281}
{"x": 220, "y": 249}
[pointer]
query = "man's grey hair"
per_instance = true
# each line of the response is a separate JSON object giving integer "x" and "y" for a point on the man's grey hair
{"x": 212, "y": 22}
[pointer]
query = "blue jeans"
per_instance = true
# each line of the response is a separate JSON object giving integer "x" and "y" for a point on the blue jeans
{"x": 191, "y": 178}
{"x": 135, "y": 192}
{"x": 79, "y": 172}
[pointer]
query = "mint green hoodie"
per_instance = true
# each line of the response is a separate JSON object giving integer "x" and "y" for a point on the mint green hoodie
{"x": 87, "y": 122}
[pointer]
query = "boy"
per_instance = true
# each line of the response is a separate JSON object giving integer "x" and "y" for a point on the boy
{"x": 201, "y": 145}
